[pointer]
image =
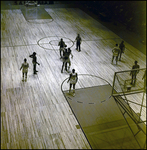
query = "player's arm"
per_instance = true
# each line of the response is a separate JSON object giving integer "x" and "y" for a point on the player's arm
{"x": 37, "y": 63}
{"x": 69, "y": 78}
{"x": 31, "y": 56}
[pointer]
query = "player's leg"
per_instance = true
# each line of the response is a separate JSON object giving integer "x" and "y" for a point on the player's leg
{"x": 25, "y": 76}
{"x": 69, "y": 63}
{"x": 116, "y": 59}
{"x": 120, "y": 55}
{"x": 132, "y": 79}
{"x": 62, "y": 66}
{"x": 60, "y": 53}
{"x": 34, "y": 68}
{"x": 66, "y": 66}
{"x": 73, "y": 89}
{"x": 70, "y": 85}
{"x": 79, "y": 47}
{"x": 22, "y": 76}
{"x": 76, "y": 45}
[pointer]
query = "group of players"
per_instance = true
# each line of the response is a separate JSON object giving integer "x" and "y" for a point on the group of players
{"x": 65, "y": 56}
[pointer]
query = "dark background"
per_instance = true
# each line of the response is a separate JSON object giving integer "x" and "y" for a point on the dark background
{"x": 130, "y": 13}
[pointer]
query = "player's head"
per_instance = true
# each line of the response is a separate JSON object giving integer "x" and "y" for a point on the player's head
{"x": 61, "y": 39}
{"x": 136, "y": 62}
{"x": 69, "y": 49}
{"x": 34, "y": 53}
{"x": 73, "y": 70}
{"x": 116, "y": 44}
{"x": 25, "y": 60}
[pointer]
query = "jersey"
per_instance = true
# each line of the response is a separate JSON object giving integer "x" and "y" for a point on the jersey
{"x": 34, "y": 61}
{"x": 116, "y": 51}
{"x": 78, "y": 38}
{"x": 61, "y": 44}
{"x": 65, "y": 55}
{"x": 135, "y": 71}
{"x": 122, "y": 47}
{"x": 73, "y": 78}
{"x": 25, "y": 67}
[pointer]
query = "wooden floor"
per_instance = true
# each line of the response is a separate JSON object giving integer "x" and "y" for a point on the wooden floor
{"x": 35, "y": 114}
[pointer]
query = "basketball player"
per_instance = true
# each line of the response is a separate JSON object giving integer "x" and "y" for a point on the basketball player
{"x": 78, "y": 42}
{"x": 62, "y": 47}
{"x": 24, "y": 68}
{"x": 68, "y": 61}
{"x": 34, "y": 61}
{"x": 73, "y": 78}
{"x": 134, "y": 72}
{"x": 115, "y": 51}
{"x": 65, "y": 60}
{"x": 122, "y": 49}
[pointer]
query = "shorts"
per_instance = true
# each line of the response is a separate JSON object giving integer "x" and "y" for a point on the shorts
{"x": 73, "y": 81}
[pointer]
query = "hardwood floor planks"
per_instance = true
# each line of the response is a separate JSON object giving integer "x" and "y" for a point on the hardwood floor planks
{"x": 35, "y": 114}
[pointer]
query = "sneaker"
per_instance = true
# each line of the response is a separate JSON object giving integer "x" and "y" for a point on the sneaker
{"x": 73, "y": 94}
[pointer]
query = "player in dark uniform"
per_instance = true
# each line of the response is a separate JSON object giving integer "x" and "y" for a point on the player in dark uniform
{"x": 34, "y": 61}
{"x": 24, "y": 68}
{"x": 65, "y": 60}
{"x": 68, "y": 61}
{"x": 62, "y": 47}
{"x": 78, "y": 42}
{"x": 122, "y": 49}
{"x": 73, "y": 78}
{"x": 134, "y": 72}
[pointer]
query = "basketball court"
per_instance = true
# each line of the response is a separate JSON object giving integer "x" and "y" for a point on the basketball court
{"x": 106, "y": 120}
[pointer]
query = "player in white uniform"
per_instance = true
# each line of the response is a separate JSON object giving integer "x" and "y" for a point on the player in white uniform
{"x": 24, "y": 68}
{"x": 116, "y": 50}
{"x": 73, "y": 78}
